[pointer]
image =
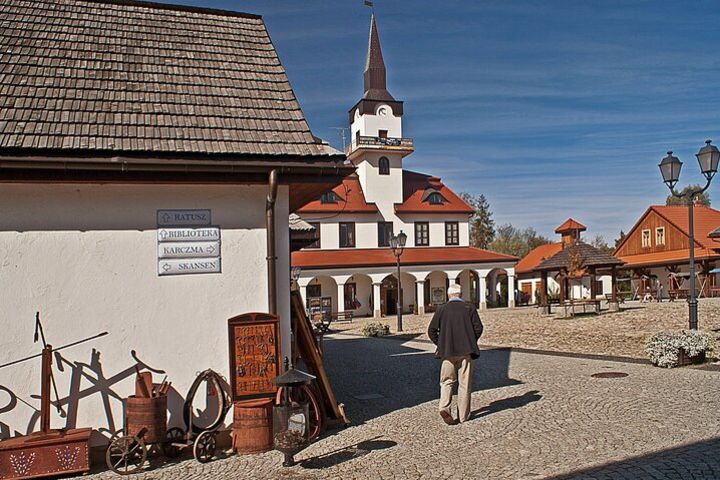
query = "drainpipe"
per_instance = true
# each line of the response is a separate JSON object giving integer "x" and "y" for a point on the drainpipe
{"x": 270, "y": 229}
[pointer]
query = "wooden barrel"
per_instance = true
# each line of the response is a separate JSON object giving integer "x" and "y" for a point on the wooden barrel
{"x": 252, "y": 426}
{"x": 149, "y": 413}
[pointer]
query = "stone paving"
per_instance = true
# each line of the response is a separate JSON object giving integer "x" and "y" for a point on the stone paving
{"x": 619, "y": 334}
{"x": 535, "y": 416}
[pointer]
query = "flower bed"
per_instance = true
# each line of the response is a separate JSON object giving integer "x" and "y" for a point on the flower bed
{"x": 677, "y": 349}
{"x": 376, "y": 329}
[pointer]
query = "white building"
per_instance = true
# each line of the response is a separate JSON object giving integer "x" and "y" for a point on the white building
{"x": 109, "y": 150}
{"x": 351, "y": 267}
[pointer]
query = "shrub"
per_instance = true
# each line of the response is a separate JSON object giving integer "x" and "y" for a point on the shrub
{"x": 663, "y": 347}
{"x": 376, "y": 329}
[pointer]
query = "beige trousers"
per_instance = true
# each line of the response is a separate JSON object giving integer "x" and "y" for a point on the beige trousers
{"x": 460, "y": 370}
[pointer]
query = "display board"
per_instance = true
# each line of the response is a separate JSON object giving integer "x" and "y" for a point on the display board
{"x": 254, "y": 355}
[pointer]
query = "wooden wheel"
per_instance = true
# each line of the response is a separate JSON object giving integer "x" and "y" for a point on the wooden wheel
{"x": 204, "y": 448}
{"x": 126, "y": 455}
{"x": 173, "y": 436}
{"x": 314, "y": 407}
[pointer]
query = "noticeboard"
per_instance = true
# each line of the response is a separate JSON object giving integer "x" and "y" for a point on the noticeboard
{"x": 254, "y": 355}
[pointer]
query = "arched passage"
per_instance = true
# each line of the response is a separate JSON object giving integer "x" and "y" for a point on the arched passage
{"x": 498, "y": 288}
{"x": 436, "y": 284}
{"x": 321, "y": 295}
{"x": 469, "y": 280}
{"x": 359, "y": 295}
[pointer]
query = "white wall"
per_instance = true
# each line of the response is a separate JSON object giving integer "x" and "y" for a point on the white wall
{"x": 85, "y": 256}
{"x": 383, "y": 190}
{"x": 366, "y": 230}
{"x": 368, "y": 125}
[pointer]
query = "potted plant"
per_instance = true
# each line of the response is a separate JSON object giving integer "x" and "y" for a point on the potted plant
{"x": 677, "y": 349}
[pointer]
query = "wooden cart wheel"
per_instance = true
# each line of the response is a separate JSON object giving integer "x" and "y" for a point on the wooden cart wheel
{"x": 126, "y": 455}
{"x": 315, "y": 410}
{"x": 204, "y": 448}
{"x": 173, "y": 436}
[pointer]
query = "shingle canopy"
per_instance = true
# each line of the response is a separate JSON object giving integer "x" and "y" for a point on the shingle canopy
{"x": 127, "y": 76}
{"x": 587, "y": 255}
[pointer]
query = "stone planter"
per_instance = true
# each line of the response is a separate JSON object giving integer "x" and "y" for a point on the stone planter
{"x": 684, "y": 359}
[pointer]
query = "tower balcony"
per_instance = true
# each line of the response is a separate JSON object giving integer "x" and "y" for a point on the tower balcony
{"x": 362, "y": 142}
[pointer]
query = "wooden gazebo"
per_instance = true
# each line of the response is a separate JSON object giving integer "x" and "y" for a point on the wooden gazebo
{"x": 575, "y": 261}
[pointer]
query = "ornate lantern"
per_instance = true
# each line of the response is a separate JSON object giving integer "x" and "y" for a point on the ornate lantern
{"x": 291, "y": 419}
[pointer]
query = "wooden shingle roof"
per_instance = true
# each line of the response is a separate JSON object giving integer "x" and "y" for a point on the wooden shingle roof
{"x": 579, "y": 254}
{"x": 123, "y": 76}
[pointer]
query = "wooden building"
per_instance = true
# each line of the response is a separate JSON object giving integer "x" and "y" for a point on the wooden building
{"x": 657, "y": 251}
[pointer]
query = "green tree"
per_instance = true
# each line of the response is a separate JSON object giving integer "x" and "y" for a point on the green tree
{"x": 620, "y": 238}
{"x": 598, "y": 241}
{"x": 514, "y": 241}
{"x": 482, "y": 226}
{"x": 701, "y": 199}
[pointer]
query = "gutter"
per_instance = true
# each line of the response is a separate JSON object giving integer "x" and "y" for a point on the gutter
{"x": 270, "y": 231}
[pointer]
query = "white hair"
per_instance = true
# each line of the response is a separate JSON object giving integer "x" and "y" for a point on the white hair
{"x": 454, "y": 289}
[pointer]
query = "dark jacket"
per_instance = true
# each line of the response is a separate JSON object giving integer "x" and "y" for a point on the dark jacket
{"x": 455, "y": 329}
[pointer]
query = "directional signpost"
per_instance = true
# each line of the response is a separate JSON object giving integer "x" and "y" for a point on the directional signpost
{"x": 187, "y": 243}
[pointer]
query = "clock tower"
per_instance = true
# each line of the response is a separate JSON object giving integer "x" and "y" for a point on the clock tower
{"x": 377, "y": 146}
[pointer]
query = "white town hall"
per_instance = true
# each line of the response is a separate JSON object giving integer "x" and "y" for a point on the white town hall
{"x": 350, "y": 267}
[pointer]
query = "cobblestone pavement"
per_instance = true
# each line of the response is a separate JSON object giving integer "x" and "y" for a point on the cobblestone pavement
{"x": 534, "y": 416}
{"x": 620, "y": 334}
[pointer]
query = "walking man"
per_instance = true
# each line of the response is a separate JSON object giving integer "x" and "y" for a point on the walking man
{"x": 455, "y": 329}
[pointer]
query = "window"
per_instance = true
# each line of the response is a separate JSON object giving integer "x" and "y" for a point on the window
{"x": 347, "y": 234}
{"x": 385, "y": 231}
{"x": 316, "y": 233}
{"x": 384, "y": 166}
{"x": 646, "y": 242}
{"x": 350, "y": 296}
{"x": 422, "y": 234}
{"x": 660, "y": 236}
{"x": 452, "y": 233}
{"x": 328, "y": 197}
{"x": 435, "y": 199}
{"x": 382, "y": 133}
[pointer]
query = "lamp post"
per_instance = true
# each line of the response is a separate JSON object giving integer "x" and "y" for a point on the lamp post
{"x": 670, "y": 166}
{"x": 397, "y": 243}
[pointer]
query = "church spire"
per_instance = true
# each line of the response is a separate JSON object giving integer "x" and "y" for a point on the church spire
{"x": 374, "y": 74}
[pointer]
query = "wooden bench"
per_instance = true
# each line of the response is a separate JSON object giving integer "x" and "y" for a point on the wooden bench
{"x": 571, "y": 307}
{"x": 342, "y": 316}
{"x": 619, "y": 298}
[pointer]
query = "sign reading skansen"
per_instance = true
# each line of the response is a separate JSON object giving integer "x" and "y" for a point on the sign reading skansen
{"x": 180, "y": 266}
{"x": 186, "y": 242}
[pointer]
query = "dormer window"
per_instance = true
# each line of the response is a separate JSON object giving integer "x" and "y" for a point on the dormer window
{"x": 384, "y": 166}
{"x": 328, "y": 197}
{"x": 435, "y": 199}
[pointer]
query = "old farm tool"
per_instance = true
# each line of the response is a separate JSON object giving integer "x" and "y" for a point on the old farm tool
{"x": 146, "y": 424}
{"x": 48, "y": 452}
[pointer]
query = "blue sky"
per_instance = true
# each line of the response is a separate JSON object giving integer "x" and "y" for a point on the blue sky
{"x": 551, "y": 109}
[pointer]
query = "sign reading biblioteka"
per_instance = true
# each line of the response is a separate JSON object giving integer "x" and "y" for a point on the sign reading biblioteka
{"x": 187, "y": 243}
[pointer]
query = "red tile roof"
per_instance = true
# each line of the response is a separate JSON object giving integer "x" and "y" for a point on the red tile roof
{"x": 372, "y": 257}
{"x": 706, "y": 220}
{"x": 570, "y": 225}
{"x": 536, "y": 256}
{"x": 414, "y": 187}
{"x": 351, "y": 199}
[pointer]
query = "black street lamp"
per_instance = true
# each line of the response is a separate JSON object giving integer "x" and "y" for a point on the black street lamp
{"x": 708, "y": 158}
{"x": 397, "y": 243}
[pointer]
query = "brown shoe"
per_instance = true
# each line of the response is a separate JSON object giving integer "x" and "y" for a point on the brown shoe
{"x": 447, "y": 418}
